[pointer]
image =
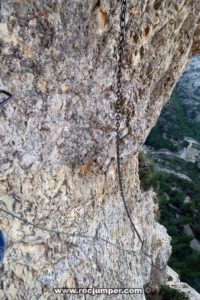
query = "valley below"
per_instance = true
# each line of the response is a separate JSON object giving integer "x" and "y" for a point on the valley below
{"x": 170, "y": 163}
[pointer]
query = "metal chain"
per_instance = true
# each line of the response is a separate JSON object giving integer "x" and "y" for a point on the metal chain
{"x": 120, "y": 98}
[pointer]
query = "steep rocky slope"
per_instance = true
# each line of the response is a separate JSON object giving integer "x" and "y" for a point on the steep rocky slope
{"x": 57, "y": 154}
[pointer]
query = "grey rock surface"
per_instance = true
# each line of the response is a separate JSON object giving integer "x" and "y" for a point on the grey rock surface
{"x": 174, "y": 282}
{"x": 57, "y": 138}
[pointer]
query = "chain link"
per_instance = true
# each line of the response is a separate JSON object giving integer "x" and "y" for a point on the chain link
{"x": 120, "y": 97}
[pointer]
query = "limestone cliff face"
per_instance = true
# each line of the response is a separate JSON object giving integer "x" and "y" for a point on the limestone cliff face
{"x": 57, "y": 137}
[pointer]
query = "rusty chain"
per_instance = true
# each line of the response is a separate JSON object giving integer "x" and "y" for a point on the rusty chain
{"x": 119, "y": 101}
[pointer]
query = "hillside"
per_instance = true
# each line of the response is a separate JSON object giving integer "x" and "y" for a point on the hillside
{"x": 174, "y": 147}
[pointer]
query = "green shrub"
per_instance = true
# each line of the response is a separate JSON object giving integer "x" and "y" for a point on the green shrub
{"x": 147, "y": 172}
{"x": 167, "y": 293}
{"x": 171, "y": 189}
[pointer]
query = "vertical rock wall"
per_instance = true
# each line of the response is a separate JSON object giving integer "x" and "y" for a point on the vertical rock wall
{"x": 57, "y": 138}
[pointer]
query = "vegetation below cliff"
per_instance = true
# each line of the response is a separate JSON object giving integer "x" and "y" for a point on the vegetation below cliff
{"x": 174, "y": 214}
{"x": 171, "y": 166}
{"x": 166, "y": 293}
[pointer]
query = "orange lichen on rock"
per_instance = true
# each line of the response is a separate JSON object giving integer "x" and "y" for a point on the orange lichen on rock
{"x": 102, "y": 17}
{"x": 86, "y": 168}
{"x": 26, "y": 50}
